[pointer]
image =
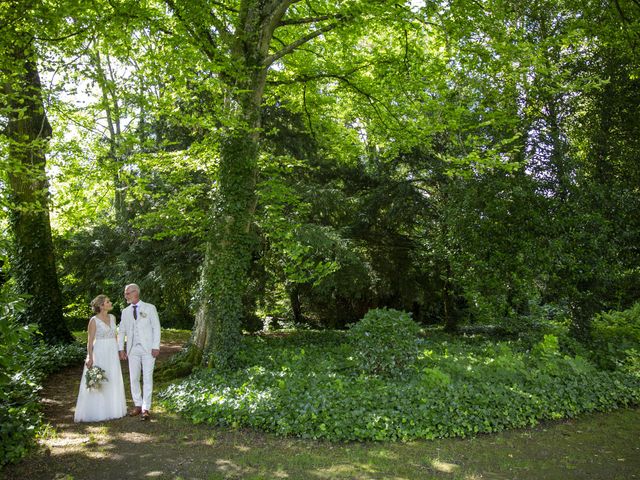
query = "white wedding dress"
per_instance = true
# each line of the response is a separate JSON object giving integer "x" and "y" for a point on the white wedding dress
{"x": 108, "y": 401}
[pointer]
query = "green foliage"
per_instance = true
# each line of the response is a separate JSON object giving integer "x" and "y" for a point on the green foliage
{"x": 308, "y": 384}
{"x": 24, "y": 363}
{"x": 465, "y": 162}
{"x": 18, "y": 406}
{"x": 384, "y": 342}
{"x": 615, "y": 336}
{"x": 165, "y": 268}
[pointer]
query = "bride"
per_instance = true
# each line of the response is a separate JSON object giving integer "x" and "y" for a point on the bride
{"x": 106, "y": 401}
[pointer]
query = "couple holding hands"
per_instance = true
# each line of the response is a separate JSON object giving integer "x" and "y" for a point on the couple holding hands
{"x": 140, "y": 326}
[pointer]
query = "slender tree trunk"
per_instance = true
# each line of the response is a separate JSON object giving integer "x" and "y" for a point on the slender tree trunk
{"x": 111, "y": 108}
{"x": 28, "y": 131}
{"x": 294, "y": 299}
{"x": 450, "y": 318}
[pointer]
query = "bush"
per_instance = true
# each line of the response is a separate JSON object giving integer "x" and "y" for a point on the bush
{"x": 615, "y": 337}
{"x": 385, "y": 342}
{"x": 24, "y": 363}
{"x": 18, "y": 419}
{"x": 308, "y": 385}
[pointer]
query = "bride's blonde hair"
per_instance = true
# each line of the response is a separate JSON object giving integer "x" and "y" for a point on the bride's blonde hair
{"x": 97, "y": 302}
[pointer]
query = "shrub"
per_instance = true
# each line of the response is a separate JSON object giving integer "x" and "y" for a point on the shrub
{"x": 304, "y": 385}
{"x": 615, "y": 337}
{"x": 24, "y": 363}
{"x": 17, "y": 419}
{"x": 385, "y": 342}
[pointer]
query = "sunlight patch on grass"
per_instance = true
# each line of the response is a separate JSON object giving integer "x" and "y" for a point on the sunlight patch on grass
{"x": 349, "y": 470}
{"x": 68, "y": 440}
{"x": 106, "y": 454}
{"x": 99, "y": 430}
{"x": 385, "y": 454}
{"x": 279, "y": 474}
{"x": 136, "y": 437}
{"x": 444, "y": 467}
{"x": 228, "y": 466}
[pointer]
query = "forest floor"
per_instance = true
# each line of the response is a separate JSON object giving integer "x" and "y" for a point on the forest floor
{"x": 600, "y": 446}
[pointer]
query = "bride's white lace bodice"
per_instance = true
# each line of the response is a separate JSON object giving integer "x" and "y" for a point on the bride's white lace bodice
{"x": 104, "y": 331}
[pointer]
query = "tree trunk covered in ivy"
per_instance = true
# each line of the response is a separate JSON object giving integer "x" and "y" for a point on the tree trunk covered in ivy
{"x": 229, "y": 246}
{"x": 229, "y": 250}
{"x": 28, "y": 132}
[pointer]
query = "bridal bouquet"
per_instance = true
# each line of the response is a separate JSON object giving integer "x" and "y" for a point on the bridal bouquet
{"x": 95, "y": 376}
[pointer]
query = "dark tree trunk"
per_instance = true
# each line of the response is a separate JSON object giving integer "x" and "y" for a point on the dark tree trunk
{"x": 296, "y": 307}
{"x": 33, "y": 261}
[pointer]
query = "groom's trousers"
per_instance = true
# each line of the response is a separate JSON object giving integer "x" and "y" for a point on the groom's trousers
{"x": 141, "y": 361}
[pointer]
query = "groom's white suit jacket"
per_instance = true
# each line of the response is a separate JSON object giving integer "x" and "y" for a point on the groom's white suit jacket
{"x": 148, "y": 325}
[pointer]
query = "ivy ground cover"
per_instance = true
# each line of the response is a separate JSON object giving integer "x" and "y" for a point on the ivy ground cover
{"x": 312, "y": 385}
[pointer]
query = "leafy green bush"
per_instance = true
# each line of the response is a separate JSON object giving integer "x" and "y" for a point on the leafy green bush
{"x": 385, "y": 341}
{"x": 24, "y": 363}
{"x": 309, "y": 385}
{"x": 616, "y": 339}
{"x": 18, "y": 419}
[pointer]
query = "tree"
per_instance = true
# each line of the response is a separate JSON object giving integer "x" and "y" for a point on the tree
{"x": 26, "y": 134}
{"x": 241, "y": 43}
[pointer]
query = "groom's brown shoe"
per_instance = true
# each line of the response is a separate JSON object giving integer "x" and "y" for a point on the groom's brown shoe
{"x": 145, "y": 415}
{"x": 134, "y": 412}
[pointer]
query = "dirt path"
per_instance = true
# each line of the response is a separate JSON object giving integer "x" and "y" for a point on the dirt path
{"x": 124, "y": 448}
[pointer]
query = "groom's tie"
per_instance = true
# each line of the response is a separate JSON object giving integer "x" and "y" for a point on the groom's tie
{"x": 135, "y": 312}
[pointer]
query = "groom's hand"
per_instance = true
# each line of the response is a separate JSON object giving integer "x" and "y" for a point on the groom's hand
{"x": 155, "y": 352}
{"x": 122, "y": 354}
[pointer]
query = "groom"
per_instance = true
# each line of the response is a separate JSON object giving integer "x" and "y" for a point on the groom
{"x": 140, "y": 324}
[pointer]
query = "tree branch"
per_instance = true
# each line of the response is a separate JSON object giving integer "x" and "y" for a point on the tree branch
{"x": 373, "y": 101}
{"x": 301, "y": 41}
{"x": 304, "y": 21}
{"x": 202, "y": 41}
{"x": 279, "y": 7}
{"x": 64, "y": 37}
{"x": 620, "y": 12}
{"x": 219, "y": 24}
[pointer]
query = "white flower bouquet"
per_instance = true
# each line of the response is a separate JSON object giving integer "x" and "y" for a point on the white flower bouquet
{"x": 95, "y": 376}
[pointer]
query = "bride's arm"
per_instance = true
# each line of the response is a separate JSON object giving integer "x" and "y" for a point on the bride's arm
{"x": 90, "y": 338}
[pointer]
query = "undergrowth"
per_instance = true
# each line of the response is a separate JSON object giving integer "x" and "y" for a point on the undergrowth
{"x": 315, "y": 385}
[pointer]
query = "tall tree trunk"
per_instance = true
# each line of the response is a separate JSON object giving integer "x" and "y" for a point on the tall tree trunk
{"x": 28, "y": 131}
{"x": 228, "y": 254}
{"x": 450, "y": 318}
{"x": 294, "y": 299}
{"x": 230, "y": 246}
{"x": 111, "y": 107}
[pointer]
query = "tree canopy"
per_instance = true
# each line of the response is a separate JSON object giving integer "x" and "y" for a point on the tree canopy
{"x": 254, "y": 163}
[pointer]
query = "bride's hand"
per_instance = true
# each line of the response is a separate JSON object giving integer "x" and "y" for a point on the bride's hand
{"x": 88, "y": 362}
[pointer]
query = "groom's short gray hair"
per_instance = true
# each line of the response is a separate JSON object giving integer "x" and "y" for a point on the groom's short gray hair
{"x": 133, "y": 286}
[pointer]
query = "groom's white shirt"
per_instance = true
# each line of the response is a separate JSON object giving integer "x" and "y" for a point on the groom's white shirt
{"x": 148, "y": 328}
